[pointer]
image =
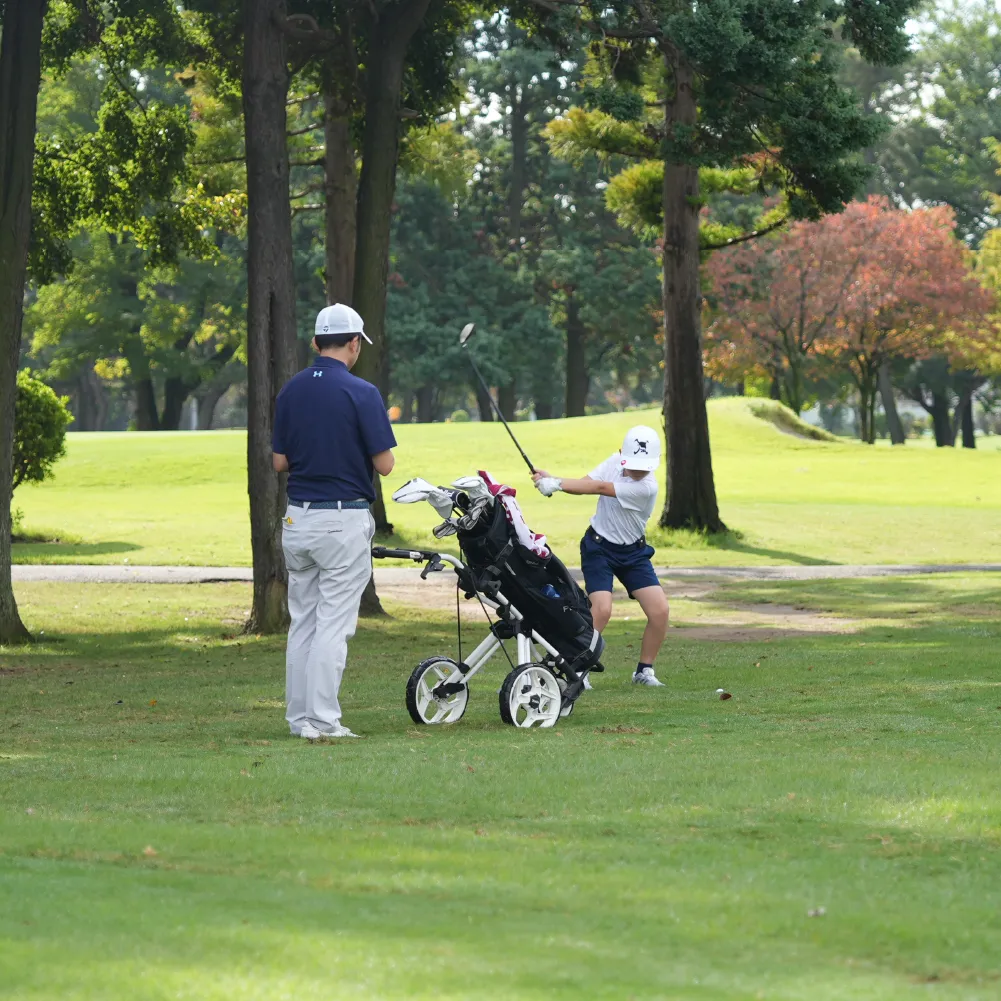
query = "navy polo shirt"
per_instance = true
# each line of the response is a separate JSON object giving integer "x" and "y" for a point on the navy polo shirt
{"x": 329, "y": 424}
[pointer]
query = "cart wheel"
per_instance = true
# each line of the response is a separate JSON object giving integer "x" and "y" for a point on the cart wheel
{"x": 530, "y": 696}
{"x": 423, "y": 705}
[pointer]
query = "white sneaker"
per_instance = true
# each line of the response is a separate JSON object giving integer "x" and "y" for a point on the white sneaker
{"x": 647, "y": 677}
{"x": 341, "y": 731}
{"x": 588, "y": 687}
{"x": 309, "y": 732}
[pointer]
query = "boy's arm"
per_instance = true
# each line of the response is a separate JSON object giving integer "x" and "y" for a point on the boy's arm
{"x": 584, "y": 485}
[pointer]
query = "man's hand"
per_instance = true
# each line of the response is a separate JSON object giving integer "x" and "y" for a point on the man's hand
{"x": 539, "y": 474}
{"x": 548, "y": 485}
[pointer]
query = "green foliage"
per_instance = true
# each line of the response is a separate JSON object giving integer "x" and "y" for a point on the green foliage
{"x": 947, "y": 114}
{"x": 40, "y": 422}
{"x": 119, "y": 158}
{"x": 460, "y": 417}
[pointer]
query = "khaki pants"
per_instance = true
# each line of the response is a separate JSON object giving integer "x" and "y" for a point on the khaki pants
{"x": 328, "y": 556}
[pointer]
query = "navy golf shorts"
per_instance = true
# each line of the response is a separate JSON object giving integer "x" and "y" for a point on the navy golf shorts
{"x": 602, "y": 562}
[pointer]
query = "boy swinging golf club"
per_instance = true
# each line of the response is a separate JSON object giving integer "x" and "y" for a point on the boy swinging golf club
{"x": 614, "y": 545}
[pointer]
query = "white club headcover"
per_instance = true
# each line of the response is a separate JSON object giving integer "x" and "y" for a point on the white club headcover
{"x": 473, "y": 486}
{"x": 441, "y": 500}
{"x": 414, "y": 490}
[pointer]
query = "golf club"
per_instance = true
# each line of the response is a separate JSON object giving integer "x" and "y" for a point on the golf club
{"x": 467, "y": 331}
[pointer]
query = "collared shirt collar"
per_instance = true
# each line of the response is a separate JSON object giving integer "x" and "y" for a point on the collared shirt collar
{"x": 322, "y": 361}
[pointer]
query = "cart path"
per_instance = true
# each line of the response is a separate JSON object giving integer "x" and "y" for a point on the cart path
{"x": 708, "y": 619}
{"x": 391, "y": 578}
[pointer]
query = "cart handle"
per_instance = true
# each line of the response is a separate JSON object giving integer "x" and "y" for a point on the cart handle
{"x": 433, "y": 559}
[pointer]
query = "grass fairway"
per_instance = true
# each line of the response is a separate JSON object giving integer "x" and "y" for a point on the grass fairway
{"x": 181, "y": 497}
{"x": 161, "y": 836}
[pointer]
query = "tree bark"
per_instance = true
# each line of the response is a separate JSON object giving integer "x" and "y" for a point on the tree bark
{"x": 897, "y": 436}
{"x": 507, "y": 400}
{"x": 341, "y": 186}
{"x": 691, "y": 492}
{"x": 377, "y": 184}
{"x": 578, "y": 377}
{"x": 20, "y": 74}
{"x": 944, "y": 435}
{"x": 543, "y": 408}
{"x": 425, "y": 397}
{"x": 483, "y": 403}
{"x": 271, "y": 336}
{"x": 966, "y": 422}
{"x": 175, "y": 393}
{"x": 376, "y": 190}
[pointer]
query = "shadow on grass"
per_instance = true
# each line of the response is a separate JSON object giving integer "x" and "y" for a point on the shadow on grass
{"x": 43, "y": 551}
{"x": 732, "y": 541}
{"x": 966, "y": 599}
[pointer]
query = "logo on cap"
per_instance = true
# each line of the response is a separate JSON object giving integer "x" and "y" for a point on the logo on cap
{"x": 640, "y": 448}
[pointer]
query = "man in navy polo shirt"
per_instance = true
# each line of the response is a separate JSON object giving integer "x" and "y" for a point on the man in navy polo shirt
{"x": 331, "y": 434}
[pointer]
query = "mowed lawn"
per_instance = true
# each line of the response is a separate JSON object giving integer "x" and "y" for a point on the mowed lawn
{"x": 162, "y": 837}
{"x": 182, "y": 497}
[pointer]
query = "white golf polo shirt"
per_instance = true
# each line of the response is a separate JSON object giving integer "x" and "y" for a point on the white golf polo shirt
{"x": 622, "y": 519}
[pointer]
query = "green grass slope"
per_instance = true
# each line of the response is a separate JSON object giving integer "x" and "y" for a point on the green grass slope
{"x": 161, "y": 836}
{"x": 181, "y": 497}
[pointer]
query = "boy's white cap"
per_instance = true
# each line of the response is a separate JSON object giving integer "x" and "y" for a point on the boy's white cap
{"x": 641, "y": 449}
{"x": 340, "y": 319}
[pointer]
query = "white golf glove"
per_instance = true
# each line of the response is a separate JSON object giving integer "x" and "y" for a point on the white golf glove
{"x": 548, "y": 485}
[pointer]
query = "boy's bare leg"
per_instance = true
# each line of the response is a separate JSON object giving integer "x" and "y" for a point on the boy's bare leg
{"x": 653, "y": 601}
{"x": 601, "y": 608}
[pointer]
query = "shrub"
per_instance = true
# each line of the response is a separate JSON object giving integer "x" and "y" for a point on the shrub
{"x": 40, "y": 422}
{"x": 460, "y": 417}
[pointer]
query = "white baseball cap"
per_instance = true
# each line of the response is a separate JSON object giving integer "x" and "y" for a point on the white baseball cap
{"x": 641, "y": 449}
{"x": 340, "y": 319}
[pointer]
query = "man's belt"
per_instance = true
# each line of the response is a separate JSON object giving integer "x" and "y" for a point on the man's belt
{"x": 351, "y": 505}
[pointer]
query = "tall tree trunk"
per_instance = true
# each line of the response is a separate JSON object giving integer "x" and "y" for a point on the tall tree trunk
{"x": 483, "y": 403}
{"x": 578, "y": 377}
{"x": 271, "y": 336}
{"x": 376, "y": 190}
{"x": 20, "y": 74}
{"x": 407, "y": 408}
{"x": 377, "y": 185}
{"x": 425, "y": 400}
{"x": 175, "y": 393}
{"x": 543, "y": 408}
{"x": 341, "y": 184}
{"x": 507, "y": 400}
{"x": 941, "y": 423}
{"x": 145, "y": 396}
{"x": 691, "y": 492}
{"x": 897, "y": 436}
{"x": 966, "y": 423}
{"x": 341, "y": 232}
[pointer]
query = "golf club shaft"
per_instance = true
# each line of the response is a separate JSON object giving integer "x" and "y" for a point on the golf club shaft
{"x": 497, "y": 411}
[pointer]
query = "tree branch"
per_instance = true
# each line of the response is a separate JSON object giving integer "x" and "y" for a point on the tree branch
{"x": 753, "y": 235}
{"x": 313, "y": 35}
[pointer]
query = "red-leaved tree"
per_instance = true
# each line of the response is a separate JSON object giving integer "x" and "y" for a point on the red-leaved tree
{"x": 912, "y": 290}
{"x": 856, "y": 290}
{"x": 773, "y": 299}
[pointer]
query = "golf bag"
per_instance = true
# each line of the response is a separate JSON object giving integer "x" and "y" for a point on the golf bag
{"x": 536, "y": 603}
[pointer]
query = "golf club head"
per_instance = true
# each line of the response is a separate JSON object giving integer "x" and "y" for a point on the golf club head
{"x": 467, "y": 331}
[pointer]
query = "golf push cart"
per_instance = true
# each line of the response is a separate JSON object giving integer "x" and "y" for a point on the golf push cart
{"x": 527, "y": 595}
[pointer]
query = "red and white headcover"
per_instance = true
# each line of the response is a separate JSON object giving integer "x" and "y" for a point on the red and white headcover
{"x": 532, "y": 541}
